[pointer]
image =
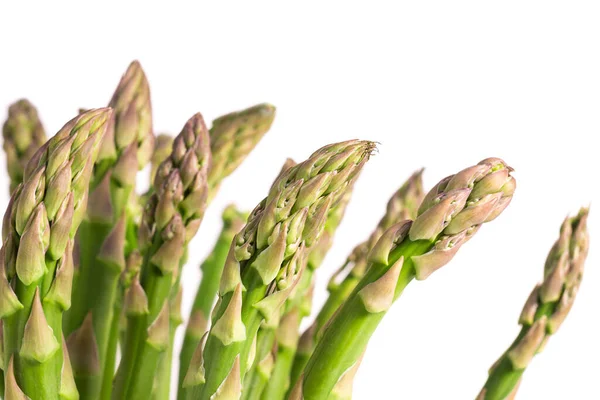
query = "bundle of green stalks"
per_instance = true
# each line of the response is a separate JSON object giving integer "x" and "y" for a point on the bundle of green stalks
{"x": 90, "y": 290}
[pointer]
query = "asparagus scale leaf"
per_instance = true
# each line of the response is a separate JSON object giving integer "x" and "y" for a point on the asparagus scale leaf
{"x": 545, "y": 310}
{"x": 450, "y": 214}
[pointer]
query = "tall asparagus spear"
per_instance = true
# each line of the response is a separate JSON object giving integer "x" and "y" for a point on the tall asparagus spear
{"x": 38, "y": 231}
{"x": 232, "y": 137}
{"x": 23, "y": 134}
{"x": 172, "y": 216}
{"x": 102, "y": 238}
{"x": 545, "y": 309}
{"x": 212, "y": 267}
{"x": 401, "y": 206}
{"x": 265, "y": 262}
{"x": 449, "y": 215}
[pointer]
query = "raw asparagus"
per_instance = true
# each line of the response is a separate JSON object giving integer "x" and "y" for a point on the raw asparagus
{"x": 38, "y": 230}
{"x": 449, "y": 216}
{"x": 212, "y": 267}
{"x": 171, "y": 218}
{"x": 545, "y": 310}
{"x": 23, "y": 134}
{"x": 265, "y": 260}
{"x": 102, "y": 237}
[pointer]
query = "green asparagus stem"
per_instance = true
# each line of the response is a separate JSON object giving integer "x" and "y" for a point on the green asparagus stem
{"x": 545, "y": 309}
{"x": 212, "y": 268}
{"x": 266, "y": 258}
{"x": 287, "y": 340}
{"x": 39, "y": 225}
{"x": 102, "y": 237}
{"x": 171, "y": 218}
{"x": 401, "y": 206}
{"x": 23, "y": 134}
{"x": 449, "y": 215}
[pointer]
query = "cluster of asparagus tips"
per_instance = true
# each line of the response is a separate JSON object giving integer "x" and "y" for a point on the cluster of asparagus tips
{"x": 23, "y": 134}
{"x": 450, "y": 214}
{"x": 265, "y": 262}
{"x": 36, "y": 278}
{"x": 545, "y": 310}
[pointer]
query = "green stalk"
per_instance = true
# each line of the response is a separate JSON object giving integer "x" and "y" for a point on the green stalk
{"x": 103, "y": 235}
{"x": 36, "y": 278}
{"x": 287, "y": 341}
{"x": 256, "y": 378}
{"x": 212, "y": 268}
{"x": 265, "y": 259}
{"x": 545, "y": 309}
{"x": 403, "y": 205}
{"x": 23, "y": 134}
{"x": 449, "y": 215}
{"x": 171, "y": 218}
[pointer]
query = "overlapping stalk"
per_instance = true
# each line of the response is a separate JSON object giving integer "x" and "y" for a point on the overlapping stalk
{"x": 545, "y": 310}
{"x": 212, "y": 268}
{"x": 265, "y": 263}
{"x": 403, "y": 205}
{"x": 107, "y": 235}
{"x": 449, "y": 216}
{"x": 36, "y": 278}
{"x": 171, "y": 218}
{"x": 23, "y": 134}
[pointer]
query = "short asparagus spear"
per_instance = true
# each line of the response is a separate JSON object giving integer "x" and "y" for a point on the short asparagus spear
{"x": 171, "y": 218}
{"x": 102, "y": 238}
{"x": 39, "y": 225}
{"x": 449, "y": 215}
{"x": 545, "y": 309}
{"x": 232, "y": 138}
{"x": 212, "y": 268}
{"x": 265, "y": 262}
{"x": 23, "y": 134}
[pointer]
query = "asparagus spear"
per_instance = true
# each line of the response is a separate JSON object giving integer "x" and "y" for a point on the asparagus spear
{"x": 449, "y": 215}
{"x": 232, "y": 138}
{"x": 401, "y": 206}
{"x": 103, "y": 235}
{"x": 545, "y": 309}
{"x": 276, "y": 385}
{"x": 38, "y": 231}
{"x": 23, "y": 134}
{"x": 265, "y": 261}
{"x": 212, "y": 267}
{"x": 171, "y": 218}
{"x": 162, "y": 151}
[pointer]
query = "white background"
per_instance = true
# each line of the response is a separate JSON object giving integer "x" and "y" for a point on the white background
{"x": 439, "y": 84}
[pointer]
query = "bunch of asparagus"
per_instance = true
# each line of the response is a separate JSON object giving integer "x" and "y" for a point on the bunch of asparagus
{"x": 90, "y": 290}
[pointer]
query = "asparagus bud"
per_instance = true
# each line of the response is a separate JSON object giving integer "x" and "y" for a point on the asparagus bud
{"x": 23, "y": 134}
{"x": 545, "y": 309}
{"x": 38, "y": 231}
{"x": 265, "y": 260}
{"x": 449, "y": 215}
